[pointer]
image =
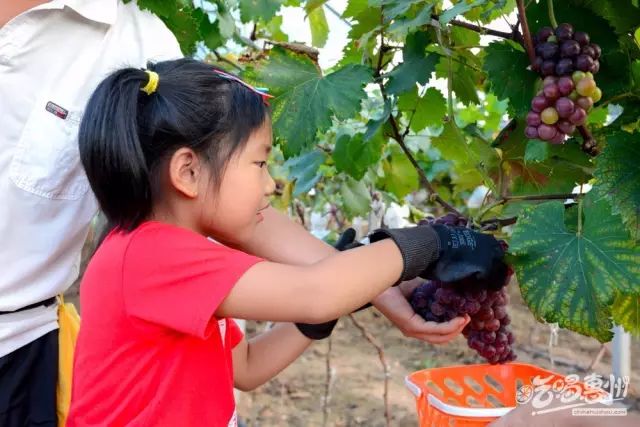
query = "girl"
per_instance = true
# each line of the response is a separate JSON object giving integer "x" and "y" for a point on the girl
{"x": 177, "y": 158}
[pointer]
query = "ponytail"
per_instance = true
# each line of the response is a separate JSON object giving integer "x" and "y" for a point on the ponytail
{"x": 111, "y": 152}
{"x": 127, "y": 134}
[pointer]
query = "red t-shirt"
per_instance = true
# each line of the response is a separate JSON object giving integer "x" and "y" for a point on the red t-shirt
{"x": 150, "y": 351}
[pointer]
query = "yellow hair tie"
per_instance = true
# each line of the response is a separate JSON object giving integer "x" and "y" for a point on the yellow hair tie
{"x": 152, "y": 84}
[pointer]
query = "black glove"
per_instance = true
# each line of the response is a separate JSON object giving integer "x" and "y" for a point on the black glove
{"x": 447, "y": 253}
{"x": 347, "y": 240}
{"x": 465, "y": 253}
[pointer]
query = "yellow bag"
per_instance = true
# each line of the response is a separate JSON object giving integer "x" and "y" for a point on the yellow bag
{"x": 69, "y": 322}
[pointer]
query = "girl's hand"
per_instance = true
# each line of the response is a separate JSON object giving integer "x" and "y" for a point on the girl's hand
{"x": 393, "y": 304}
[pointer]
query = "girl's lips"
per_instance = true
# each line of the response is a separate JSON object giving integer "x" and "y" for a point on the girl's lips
{"x": 260, "y": 217}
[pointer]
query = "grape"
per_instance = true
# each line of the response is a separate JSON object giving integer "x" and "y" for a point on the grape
{"x": 437, "y": 309}
{"x": 558, "y": 139}
{"x": 548, "y": 68}
{"x": 489, "y": 352}
{"x": 564, "y": 67}
{"x": 546, "y": 132}
{"x": 488, "y": 337}
{"x": 531, "y": 132}
{"x": 543, "y": 34}
{"x": 565, "y": 85}
{"x": 578, "y": 116}
{"x": 539, "y": 103}
{"x": 586, "y": 86}
{"x": 472, "y": 307}
{"x": 595, "y": 67}
{"x": 443, "y": 296}
{"x": 589, "y": 51}
{"x": 551, "y": 91}
{"x": 492, "y": 325}
{"x": 584, "y": 62}
{"x": 533, "y": 119}
{"x": 574, "y": 95}
{"x": 499, "y": 312}
{"x": 502, "y": 338}
{"x": 597, "y": 50}
{"x": 549, "y": 116}
{"x": 577, "y": 76}
{"x": 485, "y": 313}
{"x": 549, "y": 80}
{"x": 596, "y": 95}
{"x": 569, "y": 49}
{"x": 537, "y": 64}
{"x": 566, "y": 127}
{"x": 548, "y": 50}
{"x": 584, "y": 102}
{"x": 581, "y": 37}
{"x": 477, "y": 324}
{"x": 564, "y": 107}
{"x": 564, "y": 32}
{"x": 506, "y": 321}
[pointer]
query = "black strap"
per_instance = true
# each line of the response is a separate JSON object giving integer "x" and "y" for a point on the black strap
{"x": 45, "y": 303}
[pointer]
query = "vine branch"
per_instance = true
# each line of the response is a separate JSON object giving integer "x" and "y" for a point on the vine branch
{"x": 525, "y": 198}
{"x": 528, "y": 43}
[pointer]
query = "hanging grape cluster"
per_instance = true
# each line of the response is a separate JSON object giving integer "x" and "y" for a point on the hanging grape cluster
{"x": 567, "y": 61}
{"x": 487, "y": 333}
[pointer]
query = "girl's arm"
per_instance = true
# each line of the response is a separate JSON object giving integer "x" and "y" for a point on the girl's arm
{"x": 261, "y": 358}
{"x": 315, "y": 293}
{"x": 280, "y": 239}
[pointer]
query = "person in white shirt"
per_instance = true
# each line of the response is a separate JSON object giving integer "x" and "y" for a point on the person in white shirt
{"x": 52, "y": 56}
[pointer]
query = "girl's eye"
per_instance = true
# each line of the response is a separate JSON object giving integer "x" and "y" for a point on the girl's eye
{"x": 261, "y": 164}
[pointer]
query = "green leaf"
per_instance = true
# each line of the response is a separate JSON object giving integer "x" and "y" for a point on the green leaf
{"x": 253, "y": 10}
{"x": 274, "y": 27}
{"x": 416, "y": 67}
{"x": 400, "y": 177}
{"x": 355, "y": 8}
{"x": 164, "y": 8}
{"x": 598, "y": 116}
{"x": 209, "y": 31}
{"x": 470, "y": 161}
{"x": 305, "y": 170}
{"x": 430, "y": 110}
{"x": 536, "y": 151}
{"x": 412, "y": 21}
{"x": 305, "y": 101}
{"x": 635, "y": 72}
{"x": 503, "y": 62}
{"x": 458, "y": 9}
{"x": 570, "y": 277}
{"x": 618, "y": 174}
{"x": 355, "y": 194}
{"x": 626, "y": 313}
{"x": 319, "y": 27}
{"x": 354, "y": 155}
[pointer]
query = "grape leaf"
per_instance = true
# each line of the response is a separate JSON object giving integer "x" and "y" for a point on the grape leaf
{"x": 536, "y": 151}
{"x": 305, "y": 101}
{"x": 626, "y": 313}
{"x": 355, "y": 194}
{"x": 274, "y": 27}
{"x": 503, "y": 61}
{"x": 355, "y": 8}
{"x": 416, "y": 67}
{"x": 571, "y": 277}
{"x": 209, "y": 31}
{"x": 412, "y": 21}
{"x": 319, "y": 27}
{"x": 304, "y": 170}
{"x": 164, "y": 8}
{"x": 354, "y": 154}
{"x": 458, "y": 9}
{"x": 253, "y": 10}
{"x": 618, "y": 174}
{"x": 428, "y": 110}
{"x": 400, "y": 177}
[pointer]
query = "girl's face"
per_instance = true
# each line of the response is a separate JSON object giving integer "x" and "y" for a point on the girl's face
{"x": 232, "y": 214}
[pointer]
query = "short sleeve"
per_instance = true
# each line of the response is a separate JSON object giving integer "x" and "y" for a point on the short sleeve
{"x": 176, "y": 278}
{"x": 234, "y": 334}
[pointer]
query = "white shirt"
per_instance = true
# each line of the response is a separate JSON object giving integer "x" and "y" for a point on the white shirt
{"x": 55, "y": 53}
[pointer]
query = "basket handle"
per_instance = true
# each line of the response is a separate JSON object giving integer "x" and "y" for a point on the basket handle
{"x": 414, "y": 389}
{"x": 465, "y": 411}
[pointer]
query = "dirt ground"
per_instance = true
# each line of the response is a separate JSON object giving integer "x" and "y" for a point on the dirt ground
{"x": 295, "y": 397}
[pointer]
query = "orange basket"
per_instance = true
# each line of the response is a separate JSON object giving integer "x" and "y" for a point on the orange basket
{"x": 472, "y": 395}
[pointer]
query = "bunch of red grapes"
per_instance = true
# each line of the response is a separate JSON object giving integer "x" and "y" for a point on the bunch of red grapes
{"x": 567, "y": 61}
{"x": 487, "y": 333}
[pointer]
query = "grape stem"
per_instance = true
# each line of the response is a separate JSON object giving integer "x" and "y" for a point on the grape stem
{"x": 514, "y": 35}
{"x": 528, "y": 43}
{"x": 552, "y": 15}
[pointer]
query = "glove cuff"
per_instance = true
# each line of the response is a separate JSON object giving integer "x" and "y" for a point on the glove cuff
{"x": 419, "y": 246}
{"x": 317, "y": 331}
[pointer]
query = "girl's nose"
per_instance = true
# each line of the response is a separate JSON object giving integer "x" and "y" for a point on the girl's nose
{"x": 271, "y": 185}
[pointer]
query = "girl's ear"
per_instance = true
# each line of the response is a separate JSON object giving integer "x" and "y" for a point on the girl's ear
{"x": 185, "y": 170}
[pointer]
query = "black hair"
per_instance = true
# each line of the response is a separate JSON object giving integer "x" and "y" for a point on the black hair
{"x": 126, "y": 136}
